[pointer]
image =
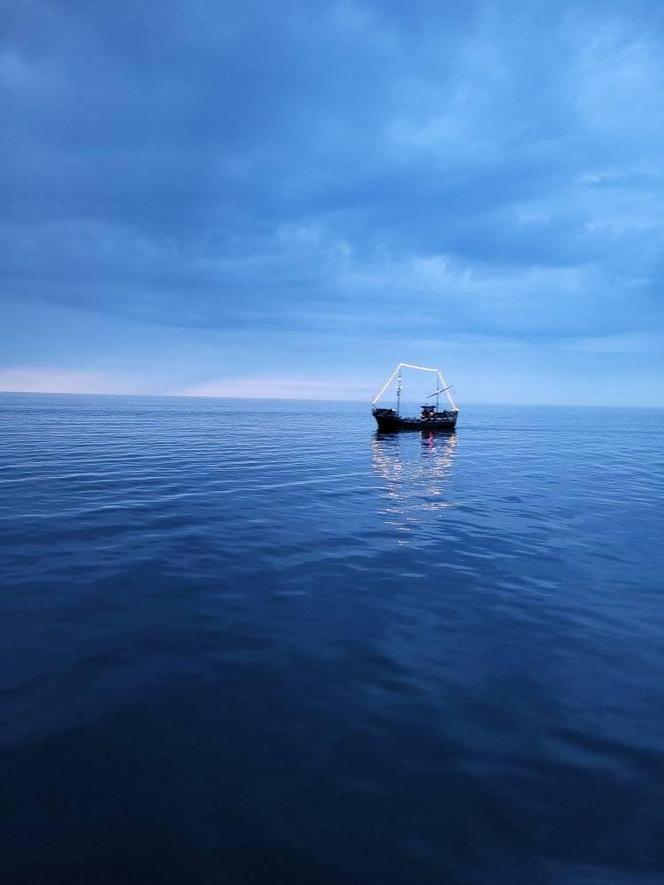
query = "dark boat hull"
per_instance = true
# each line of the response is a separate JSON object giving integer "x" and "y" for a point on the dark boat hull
{"x": 388, "y": 423}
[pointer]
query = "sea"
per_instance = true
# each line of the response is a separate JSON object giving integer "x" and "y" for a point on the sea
{"x": 259, "y": 642}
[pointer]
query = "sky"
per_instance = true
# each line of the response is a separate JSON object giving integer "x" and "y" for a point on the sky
{"x": 286, "y": 199}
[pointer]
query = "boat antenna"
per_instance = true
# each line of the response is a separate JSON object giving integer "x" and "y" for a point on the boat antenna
{"x": 398, "y": 391}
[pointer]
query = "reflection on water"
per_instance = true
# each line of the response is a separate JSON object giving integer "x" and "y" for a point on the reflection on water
{"x": 416, "y": 469}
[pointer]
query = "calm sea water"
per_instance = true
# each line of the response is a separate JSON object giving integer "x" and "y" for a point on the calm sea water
{"x": 259, "y": 643}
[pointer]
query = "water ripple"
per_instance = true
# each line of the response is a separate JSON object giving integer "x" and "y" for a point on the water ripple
{"x": 241, "y": 630}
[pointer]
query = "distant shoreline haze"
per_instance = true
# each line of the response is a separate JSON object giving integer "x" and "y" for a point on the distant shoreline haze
{"x": 413, "y": 404}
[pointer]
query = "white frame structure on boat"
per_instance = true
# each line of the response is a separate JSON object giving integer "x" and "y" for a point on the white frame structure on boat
{"x": 443, "y": 387}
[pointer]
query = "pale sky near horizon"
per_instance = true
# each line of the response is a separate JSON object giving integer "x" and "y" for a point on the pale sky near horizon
{"x": 260, "y": 199}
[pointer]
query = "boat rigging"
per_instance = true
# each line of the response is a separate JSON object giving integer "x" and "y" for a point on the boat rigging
{"x": 430, "y": 417}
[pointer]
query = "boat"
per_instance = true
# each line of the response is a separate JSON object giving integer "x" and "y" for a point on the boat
{"x": 431, "y": 417}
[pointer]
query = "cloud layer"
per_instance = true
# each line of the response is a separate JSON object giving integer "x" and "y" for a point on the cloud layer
{"x": 286, "y": 173}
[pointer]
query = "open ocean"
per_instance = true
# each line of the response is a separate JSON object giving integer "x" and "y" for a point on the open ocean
{"x": 256, "y": 642}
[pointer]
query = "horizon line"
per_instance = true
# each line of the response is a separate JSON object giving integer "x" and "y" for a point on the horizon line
{"x": 312, "y": 399}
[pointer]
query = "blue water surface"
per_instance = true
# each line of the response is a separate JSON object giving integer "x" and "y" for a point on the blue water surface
{"x": 257, "y": 642}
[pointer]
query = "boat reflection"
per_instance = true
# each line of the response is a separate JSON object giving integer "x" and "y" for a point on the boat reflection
{"x": 415, "y": 469}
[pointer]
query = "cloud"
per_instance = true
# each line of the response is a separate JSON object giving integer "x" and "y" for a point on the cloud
{"x": 281, "y": 388}
{"x": 43, "y": 379}
{"x": 298, "y": 171}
